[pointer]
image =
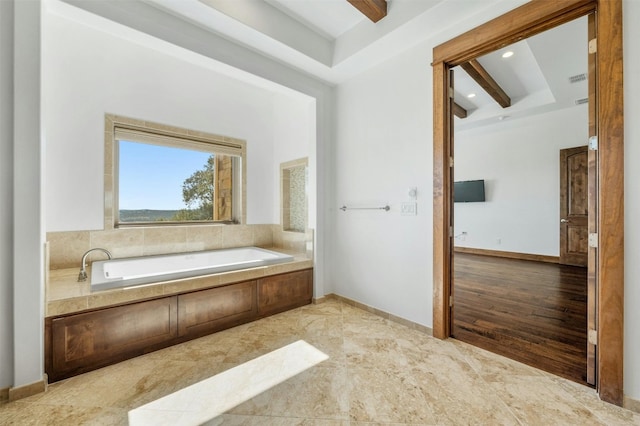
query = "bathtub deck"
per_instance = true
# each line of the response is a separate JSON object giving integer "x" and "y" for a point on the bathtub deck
{"x": 65, "y": 295}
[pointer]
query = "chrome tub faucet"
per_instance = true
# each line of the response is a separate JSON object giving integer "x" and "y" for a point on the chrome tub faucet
{"x": 82, "y": 276}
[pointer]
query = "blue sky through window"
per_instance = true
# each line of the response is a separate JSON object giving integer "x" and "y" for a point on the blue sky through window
{"x": 151, "y": 176}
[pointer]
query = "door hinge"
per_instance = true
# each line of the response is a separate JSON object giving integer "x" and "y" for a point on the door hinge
{"x": 593, "y": 143}
{"x": 450, "y": 301}
{"x": 450, "y": 231}
{"x": 593, "y": 337}
{"x": 593, "y": 240}
{"x": 450, "y": 92}
{"x": 450, "y": 161}
{"x": 593, "y": 45}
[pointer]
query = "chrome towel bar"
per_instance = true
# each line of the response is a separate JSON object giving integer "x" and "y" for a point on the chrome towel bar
{"x": 385, "y": 208}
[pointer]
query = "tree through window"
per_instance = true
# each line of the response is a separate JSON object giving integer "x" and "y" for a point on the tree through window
{"x": 163, "y": 179}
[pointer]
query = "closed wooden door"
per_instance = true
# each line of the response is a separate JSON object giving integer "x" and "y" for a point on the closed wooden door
{"x": 574, "y": 206}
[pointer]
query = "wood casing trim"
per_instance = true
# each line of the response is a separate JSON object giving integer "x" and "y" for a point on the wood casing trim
{"x": 442, "y": 202}
{"x": 592, "y": 219}
{"x": 525, "y": 21}
{"x": 522, "y": 22}
{"x": 610, "y": 271}
{"x": 508, "y": 254}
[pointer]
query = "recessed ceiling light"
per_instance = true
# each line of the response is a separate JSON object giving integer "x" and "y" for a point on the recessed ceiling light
{"x": 507, "y": 54}
{"x": 471, "y": 95}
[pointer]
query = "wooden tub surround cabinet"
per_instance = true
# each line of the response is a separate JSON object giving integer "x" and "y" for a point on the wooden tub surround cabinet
{"x": 79, "y": 342}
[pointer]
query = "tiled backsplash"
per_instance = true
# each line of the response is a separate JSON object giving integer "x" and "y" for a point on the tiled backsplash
{"x": 297, "y": 199}
{"x": 66, "y": 248}
{"x": 300, "y": 242}
{"x": 293, "y": 195}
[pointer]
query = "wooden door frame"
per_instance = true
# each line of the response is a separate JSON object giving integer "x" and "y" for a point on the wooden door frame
{"x": 525, "y": 21}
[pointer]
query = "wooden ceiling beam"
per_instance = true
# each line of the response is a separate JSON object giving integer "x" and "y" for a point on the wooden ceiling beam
{"x": 458, "y": 111}
{"x": 484, "y": 79}
{"x": 372, "y": 9}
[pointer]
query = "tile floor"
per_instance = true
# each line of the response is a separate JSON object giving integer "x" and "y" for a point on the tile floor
{"x": 378, "y": 372}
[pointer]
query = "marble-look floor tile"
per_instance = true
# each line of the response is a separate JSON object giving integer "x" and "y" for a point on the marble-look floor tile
{"x": 213, "y": 348}
{"x": 256, "y": 344}
{"x": 607, "y": 413}
{"x": 535, "y": 400}
{"x": 316, "y": 393}
{"x": 365, "y": 352}
{"x": 387, "y": 397}
{"x": 331, "y": 345}
{"x": 358, "y": 323}
{"x": 378, "y": 372}
{"x": 285, "y": 323}
{"x": 457, "y": 395}
{"x": 321, "y": 324}
{"x": 262, "y": 376}
{"x": 240, "y": 420}
{"x": 330, "y": 307}
{"x": 25, "y": 414}
{"x": 493, "y": 367}
{"x": 125, "y": 385}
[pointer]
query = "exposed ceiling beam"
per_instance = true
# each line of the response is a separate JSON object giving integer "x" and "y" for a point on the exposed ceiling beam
{"x": 372, "y": 9}
{"x": 458, "y": 111}
{"x": 484, "y": 79}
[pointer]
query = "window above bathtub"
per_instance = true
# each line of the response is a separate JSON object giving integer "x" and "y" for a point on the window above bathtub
{"x": 159, "y": 175}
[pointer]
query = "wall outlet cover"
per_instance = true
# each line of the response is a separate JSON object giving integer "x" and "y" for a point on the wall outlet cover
{"x": 409, "y": 209}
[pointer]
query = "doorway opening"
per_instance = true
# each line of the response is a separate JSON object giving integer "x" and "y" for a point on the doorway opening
{"x": 519, "y": 280}
{"x": 607, "y": 270}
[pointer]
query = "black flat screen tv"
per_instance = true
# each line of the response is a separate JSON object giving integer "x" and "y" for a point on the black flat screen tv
{"x": 468, "y": 191}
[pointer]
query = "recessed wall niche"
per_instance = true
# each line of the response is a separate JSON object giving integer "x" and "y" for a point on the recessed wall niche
{"x": 293, "y": 195}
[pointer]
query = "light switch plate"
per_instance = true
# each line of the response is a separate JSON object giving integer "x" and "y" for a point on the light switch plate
{"x": 408, "y": 209}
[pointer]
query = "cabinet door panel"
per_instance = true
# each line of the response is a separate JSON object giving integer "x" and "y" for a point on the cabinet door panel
{"x": 102, "y": 337}
{"x": 207, "y": 311}
{"x": 281, "y": 292}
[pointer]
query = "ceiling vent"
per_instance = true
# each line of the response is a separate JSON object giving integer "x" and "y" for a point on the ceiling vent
{"x": 577, "y": 78}
{"x": 582, "y": 101}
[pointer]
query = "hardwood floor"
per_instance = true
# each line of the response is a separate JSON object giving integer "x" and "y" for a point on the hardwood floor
{"x": 532, "y": 312}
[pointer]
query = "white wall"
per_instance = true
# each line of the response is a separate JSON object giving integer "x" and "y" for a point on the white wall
{"x": 28, "y": 223}
{"x": 6, "y": 194}
{"x": 87, "y": 73}
{"x": 383, "y": 145}
{"x": 294, "y": 138}
{"x": 631, "y": 10}
{"x": 519, "y": 161}
{"x": 382, "y": 149}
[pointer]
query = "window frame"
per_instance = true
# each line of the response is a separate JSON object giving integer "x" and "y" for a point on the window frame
{"x": 140, "y": 131}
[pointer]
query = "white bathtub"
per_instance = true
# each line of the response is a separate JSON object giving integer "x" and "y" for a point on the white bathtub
{"x": 132, "y": 271}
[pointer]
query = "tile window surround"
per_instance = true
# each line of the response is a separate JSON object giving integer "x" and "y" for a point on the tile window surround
{"x": 112, "y": 121}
